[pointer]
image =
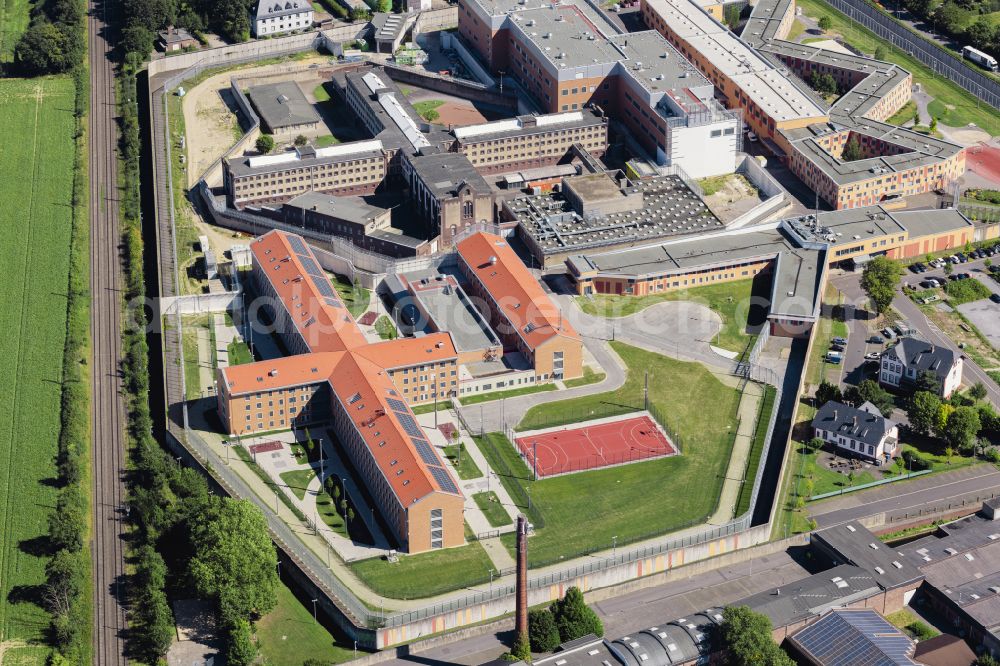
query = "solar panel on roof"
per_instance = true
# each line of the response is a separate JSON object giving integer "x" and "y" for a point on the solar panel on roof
{"x": 324, "y": 288}
{"x": 849, "y": 638}
{"x": 298, "y": 246}
{"x": 396, "y": 405}
{"x": 426, "y": 452}
{"x": 310, "y": 265}
{"x": 443, "y": 479}
{"x": 334, "y": 302}
{"x": 409, "y": 424}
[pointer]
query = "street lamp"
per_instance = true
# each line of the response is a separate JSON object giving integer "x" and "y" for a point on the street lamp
{"x": 614, "y": 546}
{"x": 314, "y": 609}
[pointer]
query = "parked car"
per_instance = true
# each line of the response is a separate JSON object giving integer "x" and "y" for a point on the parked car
{"x": 874, "y": 340}
{"x": 888, "y": 333}
{"x": 928, "y": 284}
{"x": 840, "y": 341}
{"x": 964, "y": 276}
{"x": 953, "y": 277}
{"x": 834, "y": 357}
{"x": 837, "y": 348}
{"x": 752, "y": 137}
{"x": 938, "y": 282}
{"x": 995, "y": 298}
{"x": 873, "y": 356}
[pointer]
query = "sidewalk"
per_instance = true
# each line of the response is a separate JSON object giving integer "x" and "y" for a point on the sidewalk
{"x": 747, "y": 414}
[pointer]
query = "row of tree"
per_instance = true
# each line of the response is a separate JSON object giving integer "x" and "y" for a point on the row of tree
{"x": 54, "y": 41}
{"x": 68, "y": 570}
{"x": 960, "y": 19}
{"x": 230, "y": 19}
{"x": 186, "y": 541}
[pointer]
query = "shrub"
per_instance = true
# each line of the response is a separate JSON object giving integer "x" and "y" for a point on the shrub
{"x": 921, "y": 631}
{"x": 542, "y": 631}
{"x": 574, "y": 618}
{"x": 265, "y": 143}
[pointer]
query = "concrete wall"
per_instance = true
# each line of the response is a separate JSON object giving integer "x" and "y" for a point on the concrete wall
{"x": 436, "y": 19}
{"x": 476, "y": 92}
{"x": 200, "y": 303}
{"x": 451, "y": 41}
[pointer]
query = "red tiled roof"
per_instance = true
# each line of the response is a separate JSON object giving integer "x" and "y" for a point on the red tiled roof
{"x": 322, "y": 320}
{"x": 356, "y": 370}
{"x": 516, "y": 291}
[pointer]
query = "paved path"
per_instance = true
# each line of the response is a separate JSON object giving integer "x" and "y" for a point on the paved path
{"x": 735, "y": 474}
{"x": 922, "y": 492}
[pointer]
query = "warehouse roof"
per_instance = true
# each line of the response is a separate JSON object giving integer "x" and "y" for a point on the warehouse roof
{"x": 282, "y": 105}
{"x": 853, "y": 636}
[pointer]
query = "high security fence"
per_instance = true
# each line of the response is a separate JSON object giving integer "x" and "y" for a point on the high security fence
{"x": 935, "y": 56}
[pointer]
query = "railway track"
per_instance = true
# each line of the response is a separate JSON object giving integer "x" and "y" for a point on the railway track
{"x": 108, "y": 407}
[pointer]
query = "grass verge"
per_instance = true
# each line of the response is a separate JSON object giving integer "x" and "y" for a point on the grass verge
{"x": 589, "y": 377}
{"x": 465, "y": 466}
{"x": 489, "y": 504}
{"x": 355, "y": 296}
{"x": 512, "y": 393}
{"x": 426, "y": 574}
{"x": 756, "y": 449}
{"x": 289, "y": 636}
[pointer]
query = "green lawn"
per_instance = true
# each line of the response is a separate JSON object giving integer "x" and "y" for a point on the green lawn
{"x": 967, "y": 108}
{"x": 489, "y": 504}
{"x": 289, "y": 635}
{"x": 321, "y": 93}
{"x": 429, "y": 408}
{"x": 325, "y": 141}
{"x": 426, "y": 574}
{"x": 385, "y": 328}
{"x": 729, "y": 300}
{"x": 589, "y": 377}
{"x": 192, "y": 324}
{"x": 239, "y": 353}
{"x": 298, "y": 480}
{"x": 428, "y": 109}
{"x": 466, "y": 466}
{"x": 354, "y": 297}
{"x": 757, "y": 448}
{"x": 14, "y": 17}
{"x": 642, "y": 499}
{"x": 904, "y": 115}
{"x": 496, "y": 395}
{"x": 36, "y": 175}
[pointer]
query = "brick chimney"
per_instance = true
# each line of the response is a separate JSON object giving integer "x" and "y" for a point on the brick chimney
{"x": 521, "y": 605}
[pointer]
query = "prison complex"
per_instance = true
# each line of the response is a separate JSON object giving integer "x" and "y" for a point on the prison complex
{"x": 661, "y": 84}
{"x": 364, "y": 389}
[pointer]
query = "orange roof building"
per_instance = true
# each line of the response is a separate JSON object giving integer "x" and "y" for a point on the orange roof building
{"x": 364, "y": 389}
{"x": 523, "y": 315}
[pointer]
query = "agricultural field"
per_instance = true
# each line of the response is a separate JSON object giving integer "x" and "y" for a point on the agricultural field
{"x": 14, "y": 15}
{"x": 36, "y": 174}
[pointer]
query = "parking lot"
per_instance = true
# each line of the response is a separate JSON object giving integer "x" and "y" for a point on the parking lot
{"x": 985, "y": 314}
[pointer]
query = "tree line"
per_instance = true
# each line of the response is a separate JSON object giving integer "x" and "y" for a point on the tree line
{"x": 962, "y": 20}
{"x": 143, "y": 19}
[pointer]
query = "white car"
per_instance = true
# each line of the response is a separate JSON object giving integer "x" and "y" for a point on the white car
{"x": 872, "y": 356}
{"x": 752, "y": 137}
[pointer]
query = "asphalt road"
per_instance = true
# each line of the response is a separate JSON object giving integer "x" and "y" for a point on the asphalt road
{"x": 108, "y": 409}
{"x": 849, "y": 285}
{"x": 909, "y": 496}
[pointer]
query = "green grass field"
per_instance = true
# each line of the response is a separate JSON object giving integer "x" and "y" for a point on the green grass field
{"x": 355, "y": 298}
{"x": 289, "y": 635}
{"x": 466, "y": 466}
{"x": 642, "y": 499}
{"x": 426, "y": 574}
{"x": 753, "y": 462}
{"x": 729, "y": 300}
{"x": 904, "y": 115}
{"x": 14, "y": 17}
{"x": 239, "y": 353}
{"x": 489, "y": 504}
{"x": 428, "y": 109}
{"x": 385, "y": 328}
{"x": 298, "y": 480}
{"x": 589, "y": 377}
{"x": 37, "y": 167}
{"x": 967, "y": 109}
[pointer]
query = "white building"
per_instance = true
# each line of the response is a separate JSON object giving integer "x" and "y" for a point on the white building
{"x": 903, "y": 365}
{"x": 272, "y": 17}
{"x": 862, "y": 432}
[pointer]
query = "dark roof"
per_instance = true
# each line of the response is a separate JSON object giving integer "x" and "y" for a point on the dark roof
{"x": 282, "y": 105}
{"x": 174, "y": 35}
{"x": 922, "y": 355}
{"x": 854, "y": 637}
{"x": 853, "y": 543}
{"x": 271, "y": 8}
{"x": 444, "y": 173}
{"x": 864, "y": 424}
{"x": 944, "y": 650}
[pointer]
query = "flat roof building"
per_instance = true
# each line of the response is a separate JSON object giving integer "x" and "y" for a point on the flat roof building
{"x": 283, "y": 108}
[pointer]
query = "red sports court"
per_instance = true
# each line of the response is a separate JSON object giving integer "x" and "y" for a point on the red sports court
{"x": 603, "y": 444}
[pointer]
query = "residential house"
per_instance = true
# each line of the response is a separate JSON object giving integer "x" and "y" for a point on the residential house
{"x": 859, "y": 431}
{"x": 272, "y": 17}
{"x": 905, "y": 363}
